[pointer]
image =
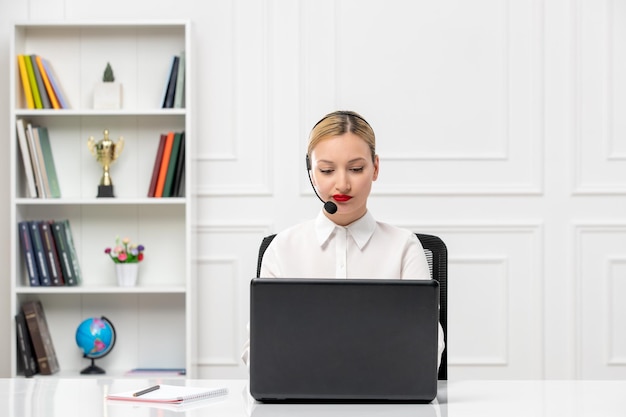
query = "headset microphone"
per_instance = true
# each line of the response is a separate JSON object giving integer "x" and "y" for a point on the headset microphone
{"x": 329, "y": 206}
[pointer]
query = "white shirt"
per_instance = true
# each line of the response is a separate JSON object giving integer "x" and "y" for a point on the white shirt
{"x": 366, "y": 248}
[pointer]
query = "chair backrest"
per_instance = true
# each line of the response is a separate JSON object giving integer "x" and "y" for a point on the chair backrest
{"x": 437, "y": 257}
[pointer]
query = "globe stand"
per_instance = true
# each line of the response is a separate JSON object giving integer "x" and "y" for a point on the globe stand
{"x": 92, "y": 369}
{"x": 91, "y": 349}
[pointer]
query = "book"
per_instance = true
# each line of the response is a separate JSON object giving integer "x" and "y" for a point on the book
{"x": 169, "y": 394}
{"x": 180, "y": 168}
{"x": 26, "y": 159}
{"x": 171, "y": 166}
{"x": 46, "y": 83}
{"x": 73, "y": 254}
{"x": 43, "y": 94}
{"x": 40, "y": 336}
{"x": 179, "y": 93}
{"x": 32, "y": 81}
{"x": 157, "y": 165}
{"x": 167, "y": 82}
{"x": 65, "y": 257}
{"x": 28, "y": 253}
{"x": 35, "y": 161}
{"x": 41, "y": 162}
{"x": 40, "y": 256}
{"x": 27, "y": 363}
{"x": 48, "y": 159}
{"x": 58, "y": 91}
{"x": 181, "y": 188}
{"x": 168, "y": 101}
{"x": 49, "y": 246}
{"x": 165, "y": 160}
{"x": 28, "y": 92}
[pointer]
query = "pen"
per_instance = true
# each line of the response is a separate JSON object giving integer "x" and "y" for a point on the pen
{"x": 147, "y": 390}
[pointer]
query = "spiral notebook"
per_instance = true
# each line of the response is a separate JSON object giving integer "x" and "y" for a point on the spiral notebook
{"x": 170, "y": 394}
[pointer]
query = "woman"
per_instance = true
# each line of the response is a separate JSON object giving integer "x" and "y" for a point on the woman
{"x": 345, "y": 241}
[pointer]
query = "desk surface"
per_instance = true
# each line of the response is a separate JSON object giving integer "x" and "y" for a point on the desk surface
{"x": 50, "y": 397}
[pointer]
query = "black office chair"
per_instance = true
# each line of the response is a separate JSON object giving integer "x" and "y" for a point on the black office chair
{"x": 437, "y": 257}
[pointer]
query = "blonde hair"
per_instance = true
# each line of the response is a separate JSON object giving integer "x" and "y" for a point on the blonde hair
{"x": 340, "y": 122}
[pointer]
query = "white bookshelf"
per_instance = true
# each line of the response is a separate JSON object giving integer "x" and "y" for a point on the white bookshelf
{"x": 153, "y": 319}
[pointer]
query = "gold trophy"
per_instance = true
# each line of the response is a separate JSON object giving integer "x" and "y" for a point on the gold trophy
{"x": 105, "y": 152}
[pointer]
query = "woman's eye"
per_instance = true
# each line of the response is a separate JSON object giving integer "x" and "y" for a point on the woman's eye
{"x": 356, "y": 169}
{"x": 326, "y": 171}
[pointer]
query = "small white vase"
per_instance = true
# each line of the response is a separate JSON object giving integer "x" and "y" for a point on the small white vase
{"x": 107, "y": 96}
{"x": 127, "y": 274}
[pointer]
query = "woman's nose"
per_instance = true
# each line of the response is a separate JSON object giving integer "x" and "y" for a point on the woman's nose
{"x": 342, "y": 182}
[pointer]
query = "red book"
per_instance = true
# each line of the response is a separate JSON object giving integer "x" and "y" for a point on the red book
{"x": 167, "y": 151}
{"x": 157, "y": 166}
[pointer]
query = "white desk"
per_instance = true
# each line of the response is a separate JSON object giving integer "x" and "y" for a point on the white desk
{"x": 50, "y": 397}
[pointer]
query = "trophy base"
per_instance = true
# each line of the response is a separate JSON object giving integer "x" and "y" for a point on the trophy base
{"x": 105, "y": 191}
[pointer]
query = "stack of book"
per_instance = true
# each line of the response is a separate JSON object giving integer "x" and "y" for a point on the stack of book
{"x": 168, "y": 174}
{"x": 36, "y": 150}
{"x": 49, "y": 253}
{"x": 40, "y": 84}
{"x": 174, "y": 92}
{"x": 36, "y": 354}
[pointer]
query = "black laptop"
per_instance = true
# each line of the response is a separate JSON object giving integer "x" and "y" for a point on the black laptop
{"x": 343, "y": 340}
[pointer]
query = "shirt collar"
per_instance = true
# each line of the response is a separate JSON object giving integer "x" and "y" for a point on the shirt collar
{"x": 360, "y": 230}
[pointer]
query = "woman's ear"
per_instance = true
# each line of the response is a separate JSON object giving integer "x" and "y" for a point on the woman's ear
{"x": 376, "y": 166}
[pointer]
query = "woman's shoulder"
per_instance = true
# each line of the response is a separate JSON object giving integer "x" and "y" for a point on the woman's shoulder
{"x": 400, "y": 235}
{"x": 391, "y": 229}
{"x": 297, "y": 231}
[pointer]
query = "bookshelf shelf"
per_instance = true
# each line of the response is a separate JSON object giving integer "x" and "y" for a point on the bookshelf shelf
{"x": 173, "y": 201}
{"x": 101, "y": 113}
{"x": 103, "y": 289}
{"x": 140, "y": 53}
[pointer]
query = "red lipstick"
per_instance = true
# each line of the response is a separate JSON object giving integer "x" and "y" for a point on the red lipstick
{"x": 341, "y": 197}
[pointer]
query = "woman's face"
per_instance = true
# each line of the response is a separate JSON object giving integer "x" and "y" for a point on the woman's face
{"x": 343, "y": 172}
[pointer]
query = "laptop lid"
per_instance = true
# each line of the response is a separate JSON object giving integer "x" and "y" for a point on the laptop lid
{"x": 355, "y": 340}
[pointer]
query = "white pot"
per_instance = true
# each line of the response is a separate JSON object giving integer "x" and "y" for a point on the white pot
{"x": 107, "y": 96}
{"x": 127, "y": 274}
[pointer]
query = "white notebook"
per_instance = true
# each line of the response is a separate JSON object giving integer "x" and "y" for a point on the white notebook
{"x": 171, "y": 394}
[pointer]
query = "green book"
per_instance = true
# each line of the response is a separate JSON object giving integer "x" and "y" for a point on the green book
{"x": 179, "y": 94}
{"x": 41, "y": 87}
{"x": 33, "y": 82}
{"x": 72, "y": 248}
{"x": 171, "y": 168}
{"x": 63, "y": 250}
{"x": 46, "y": 150}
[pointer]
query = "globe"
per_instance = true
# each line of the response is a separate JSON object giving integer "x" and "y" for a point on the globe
{"x": 96, "y": 337}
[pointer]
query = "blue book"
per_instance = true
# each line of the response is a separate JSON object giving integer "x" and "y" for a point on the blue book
{"x": 28, "y": 253}
{"x": 60, "y": 95}
{"x": 170, "y": 91}
{"x": 40, "y": 255}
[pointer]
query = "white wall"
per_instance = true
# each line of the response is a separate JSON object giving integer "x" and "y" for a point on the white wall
{"x": 500, "y": 129}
